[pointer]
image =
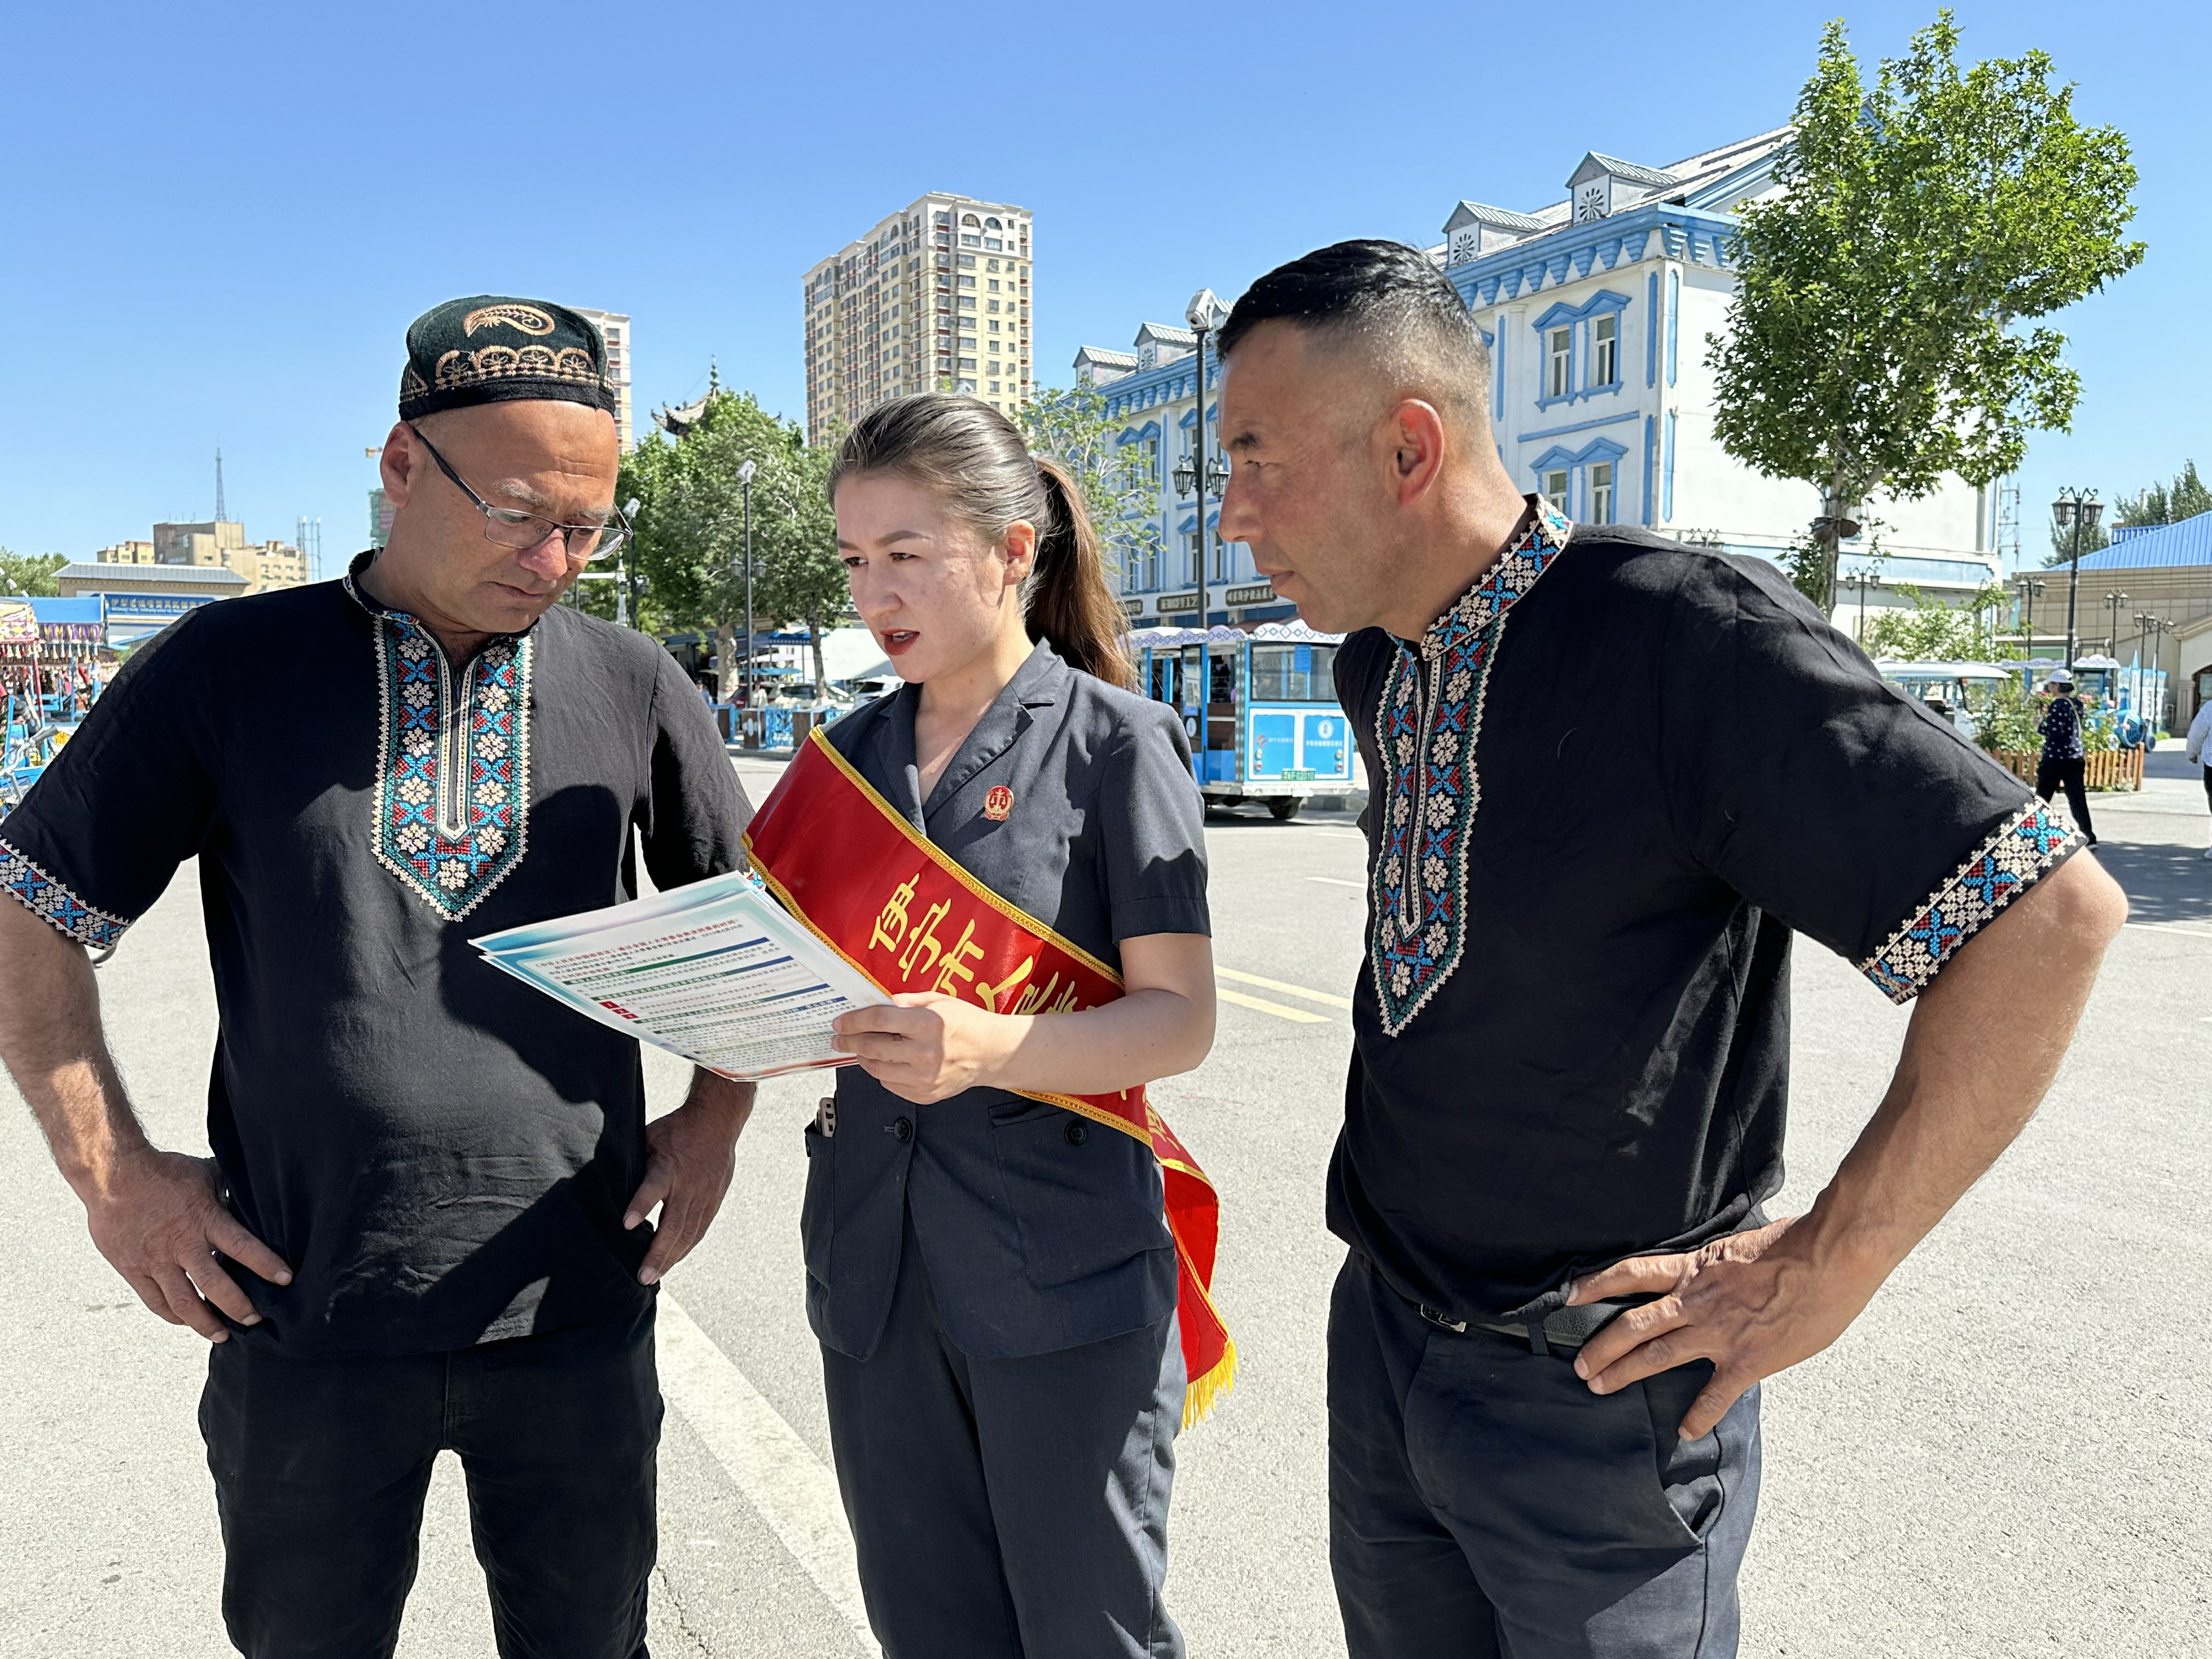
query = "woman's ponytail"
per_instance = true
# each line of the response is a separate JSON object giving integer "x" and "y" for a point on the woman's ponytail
{"x": 1066, "y": 598}
{"x": 976, "y": 462}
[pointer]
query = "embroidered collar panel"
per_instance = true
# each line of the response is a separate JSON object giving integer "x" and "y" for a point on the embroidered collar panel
{"x": 452, "y": 807}
{"x": 1428, "y": 723}
{"x": 1495, "y": 591}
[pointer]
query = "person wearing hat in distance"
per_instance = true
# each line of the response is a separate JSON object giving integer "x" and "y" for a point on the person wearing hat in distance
{"x": 424, "y": 1226}
{"x": 1611, "y": 773}
{"x": 2064, "y": 762}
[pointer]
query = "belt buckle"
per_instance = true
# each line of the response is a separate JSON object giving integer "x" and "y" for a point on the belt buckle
{"x": 1438, "y": 1319}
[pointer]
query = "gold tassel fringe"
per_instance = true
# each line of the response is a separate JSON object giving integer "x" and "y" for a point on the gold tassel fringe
{"x": 1205, "y": 1392}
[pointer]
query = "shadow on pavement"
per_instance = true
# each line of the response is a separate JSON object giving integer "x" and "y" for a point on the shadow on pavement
{"x": 2163, "y": 882}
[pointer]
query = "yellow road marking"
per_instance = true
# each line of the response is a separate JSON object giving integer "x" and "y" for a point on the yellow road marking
{"x": 1275, "y": 1008}
{"x": 1329, "y": 997}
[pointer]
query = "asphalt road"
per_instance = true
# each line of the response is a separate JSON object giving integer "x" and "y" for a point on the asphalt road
{"x": 2006, "y": 1456}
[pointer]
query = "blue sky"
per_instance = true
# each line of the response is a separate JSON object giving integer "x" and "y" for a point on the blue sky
{"x": 221, "y": 218}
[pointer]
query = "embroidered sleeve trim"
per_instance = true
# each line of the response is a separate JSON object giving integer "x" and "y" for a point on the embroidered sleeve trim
{"x": 2025, "y": 847}
{"x": 54, "y": 902}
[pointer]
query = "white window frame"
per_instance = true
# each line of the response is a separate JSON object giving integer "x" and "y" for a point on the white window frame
{"x": 1601, "y": 492}
{"x": 1559, "y": 361}
{"x": 1565, "y": 476}
{"x": 1605, "y": 351}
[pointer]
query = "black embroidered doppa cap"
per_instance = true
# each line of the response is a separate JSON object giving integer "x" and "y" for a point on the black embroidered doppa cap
{"x": 491, "y": 347}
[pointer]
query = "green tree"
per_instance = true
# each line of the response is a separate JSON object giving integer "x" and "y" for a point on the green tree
{"x": 2008, "y": 725}
{"x": 2184, "y": 498}
{"x": 690, "y": 519}
{"x": 798, "y": 575}
{"x": 30, "y": 575}
{"x": 1876, "y": 342}
{"x": 1118, "y": 489}
{"x": 1932, "y": 631}
{"x": 2061, "y": 542}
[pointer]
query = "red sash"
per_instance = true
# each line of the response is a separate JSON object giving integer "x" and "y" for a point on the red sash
{"x": 877, "y": 892}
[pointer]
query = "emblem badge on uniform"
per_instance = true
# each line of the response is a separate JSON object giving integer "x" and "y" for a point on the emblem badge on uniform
{"x": 998, "y": 803}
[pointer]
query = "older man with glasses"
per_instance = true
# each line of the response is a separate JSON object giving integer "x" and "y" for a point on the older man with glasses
{"x": 424, "y": 1225}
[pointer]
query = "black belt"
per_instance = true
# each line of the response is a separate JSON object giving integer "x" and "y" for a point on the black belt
{"x": 1563, "y": 1328}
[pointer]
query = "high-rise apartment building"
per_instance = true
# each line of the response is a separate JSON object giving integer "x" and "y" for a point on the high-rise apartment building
{"x": 125, "y": 553}
{"x": 614, "y": 329}
{"x": 938, "y": 294}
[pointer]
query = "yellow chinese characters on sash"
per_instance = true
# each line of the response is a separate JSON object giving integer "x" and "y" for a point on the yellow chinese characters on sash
{"x": 880, "y": 894}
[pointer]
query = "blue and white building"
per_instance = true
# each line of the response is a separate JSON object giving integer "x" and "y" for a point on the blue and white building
{"x": 1152, "y": 391}
{"x": 1595, "y": 308}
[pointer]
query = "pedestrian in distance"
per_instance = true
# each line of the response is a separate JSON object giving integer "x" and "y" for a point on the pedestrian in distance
{"x": 1006, "y": 1252}
{"x": 2064, "y": 763}
{"x": 1611, "y": 775}
{"x": 2198, "y": 751}
{"x": 424, "y": 1226}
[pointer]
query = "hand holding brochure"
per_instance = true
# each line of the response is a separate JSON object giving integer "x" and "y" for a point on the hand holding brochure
{"x": 715, "y": 971}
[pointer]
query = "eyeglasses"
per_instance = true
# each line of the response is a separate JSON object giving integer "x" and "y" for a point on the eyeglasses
{"x": 510, "y": 527}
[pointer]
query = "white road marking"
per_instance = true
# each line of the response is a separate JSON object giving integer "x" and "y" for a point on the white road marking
{"x": 1329, "y": 997}
{"x": 1337, "y": 881}
{"x": 1339, "y": 835}
{"x": 1277, "y": 1009}
{"x": 778, "y": 1473}
{"x": 2159, "y": 927}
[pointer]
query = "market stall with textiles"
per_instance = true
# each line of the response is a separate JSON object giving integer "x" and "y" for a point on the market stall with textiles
{"x": 51, "y": 655}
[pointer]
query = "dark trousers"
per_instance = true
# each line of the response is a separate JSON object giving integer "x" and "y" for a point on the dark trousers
{"x": 2052, "y": 775}
{"x": 320, "y": 1468}
{"x": 1483, "y": 1502}
{"x": 1008, "y": 1508}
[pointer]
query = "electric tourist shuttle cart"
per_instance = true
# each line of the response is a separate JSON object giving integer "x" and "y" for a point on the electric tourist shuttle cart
{"x": 1260, "y": 710}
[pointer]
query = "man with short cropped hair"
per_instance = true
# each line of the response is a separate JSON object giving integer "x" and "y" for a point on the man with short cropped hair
{"x": 1611, "y": 775}
{"x": 423, "y": 1227}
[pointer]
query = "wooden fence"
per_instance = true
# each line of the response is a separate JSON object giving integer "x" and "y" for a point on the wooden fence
{"x": 2107, "y": 768}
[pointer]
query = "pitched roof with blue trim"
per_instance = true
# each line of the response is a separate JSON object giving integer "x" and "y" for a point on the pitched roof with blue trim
{"x": 2157, "y": 547}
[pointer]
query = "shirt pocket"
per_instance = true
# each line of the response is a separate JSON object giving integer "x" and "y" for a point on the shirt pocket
{"x": 1085, "y": 1199}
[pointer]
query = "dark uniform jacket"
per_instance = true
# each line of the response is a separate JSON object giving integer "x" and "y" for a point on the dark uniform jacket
{"x": 1040, "y": 1231}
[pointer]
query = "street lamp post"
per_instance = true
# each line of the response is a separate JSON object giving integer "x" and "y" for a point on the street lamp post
{"x": 746, "y": 483}
{"x": 2078, "y": 509}
{"x": 2154, "y": 627}
{"x": 2031, "y": 590}
{"x": 1201, "y": 471}
{"x": 626, "y": 595}
{"x": 2113, "y": 603}
{"x": 1862, "y": 580}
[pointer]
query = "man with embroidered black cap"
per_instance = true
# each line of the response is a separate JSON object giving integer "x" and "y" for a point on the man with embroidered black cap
{"x": 1611, "y": 775}
{"x": 424, "y": 1224}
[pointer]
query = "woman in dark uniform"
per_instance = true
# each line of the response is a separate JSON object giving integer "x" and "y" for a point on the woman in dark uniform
{"x": 991, "y": 1277}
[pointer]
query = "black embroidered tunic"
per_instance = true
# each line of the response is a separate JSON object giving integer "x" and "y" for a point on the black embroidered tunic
{"x": 441, "y": 1153}
{"x": 1607, "y": 786}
